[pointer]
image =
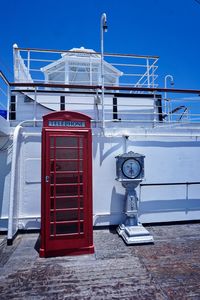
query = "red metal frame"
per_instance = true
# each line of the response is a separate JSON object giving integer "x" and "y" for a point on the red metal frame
{"x": 66, "y": 208}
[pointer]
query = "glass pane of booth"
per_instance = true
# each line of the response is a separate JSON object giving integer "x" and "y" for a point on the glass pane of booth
{"x": 66, "y": 141}
{"x": 66, "y": 228}
{"x": 67, "y": 202}
{"x": 66, "y": 185}
{"x": 63, "y": 165}
{"x": 68, "y": 153}
{"x": 66, "y": 215}
{"x": 63, "y": 178}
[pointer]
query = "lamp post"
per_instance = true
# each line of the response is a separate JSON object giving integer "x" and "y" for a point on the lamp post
{"x": 103, "y": 28}
{"x": 167, "y": 107}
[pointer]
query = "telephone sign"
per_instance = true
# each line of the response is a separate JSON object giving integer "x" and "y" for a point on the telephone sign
{"x": 66, "y": 210}
{"x": 66, "y": 123}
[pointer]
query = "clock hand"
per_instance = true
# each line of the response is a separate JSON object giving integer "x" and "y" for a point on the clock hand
{"x": 132, "y": 172}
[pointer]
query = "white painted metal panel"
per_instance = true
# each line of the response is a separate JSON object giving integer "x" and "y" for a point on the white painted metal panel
{"x": 33, "y": 170}
{"x": 30, "y": 204}
{"x": 166, "y": 161}
{"x": 5, "y": 168}
{"x": 25, "y": 109}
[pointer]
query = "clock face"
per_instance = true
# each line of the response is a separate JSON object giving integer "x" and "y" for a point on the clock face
{"x": 131, "y": 168}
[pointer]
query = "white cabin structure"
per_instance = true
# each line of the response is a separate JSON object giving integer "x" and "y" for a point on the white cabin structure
{"x": 131, "y": 113}
{"x": 78, "y": 66}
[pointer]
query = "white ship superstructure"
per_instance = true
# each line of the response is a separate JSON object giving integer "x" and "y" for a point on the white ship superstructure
{"x": 128, "y": 113}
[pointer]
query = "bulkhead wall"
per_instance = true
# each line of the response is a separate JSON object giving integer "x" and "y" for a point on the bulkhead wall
{"x": 5, "y": 168}
{"x": 169, "y": 192}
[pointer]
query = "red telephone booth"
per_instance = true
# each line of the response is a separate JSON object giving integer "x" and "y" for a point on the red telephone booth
{"x": 66, "y": 210}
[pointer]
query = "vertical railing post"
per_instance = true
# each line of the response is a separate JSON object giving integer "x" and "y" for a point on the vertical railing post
{"x": 28, "y": 63}
{"x": 168, "y": 106}
{"x": 15, "y": 62}
{"x": 148, "y": 75}
{"x": 8, "y": 103}
{"x": 35, "y": 106}
{"x": 187, "y": 190}
{"x": 67, "y": 74}
{"x": 155, "y": 110}
{"x": 152, "y": 74}
{"x": 90, "y": 70}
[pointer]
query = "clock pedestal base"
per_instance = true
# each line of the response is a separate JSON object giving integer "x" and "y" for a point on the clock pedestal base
{"x": 134, "y": 234}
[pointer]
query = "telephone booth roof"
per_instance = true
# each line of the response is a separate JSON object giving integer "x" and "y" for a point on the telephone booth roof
{"x": 66, "y": 116}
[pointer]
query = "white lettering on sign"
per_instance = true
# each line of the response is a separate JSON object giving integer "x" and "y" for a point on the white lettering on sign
{"x": 66, "y": 123}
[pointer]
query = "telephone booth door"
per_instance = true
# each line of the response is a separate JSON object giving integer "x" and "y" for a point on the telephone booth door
{"x": 66, "y": 214}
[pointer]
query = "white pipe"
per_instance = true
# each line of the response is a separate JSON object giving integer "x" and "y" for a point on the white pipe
{"x": 13, "y": 177}
{"x": 12, "y": 181}
{"x": 172, "y": 81}
{"x": 191, "y": 135}
{"x": 126, "y": 137}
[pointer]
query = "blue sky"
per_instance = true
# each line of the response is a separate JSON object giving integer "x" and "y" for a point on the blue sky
{"x": 169, "y": 29}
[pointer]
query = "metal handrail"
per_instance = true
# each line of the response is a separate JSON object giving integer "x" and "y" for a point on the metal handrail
{"x": 170, "y": 183}
{"x": 25, "y": 66}
{"x": 98, "y": 87}
{"x": 4, "y": 78}
{"x": 98, "y": 53}
{"x": 109, "y": 89}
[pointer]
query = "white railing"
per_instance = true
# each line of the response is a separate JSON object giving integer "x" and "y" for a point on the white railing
{"x": 39, "y": 73}
{"x": 120, "y": 110}
{"x": 4, "y": 96}
{"x": 182, "y": 109}
{"x": 83, "y": 67}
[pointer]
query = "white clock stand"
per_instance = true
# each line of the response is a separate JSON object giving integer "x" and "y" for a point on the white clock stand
{"x": 132, "y": 231}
